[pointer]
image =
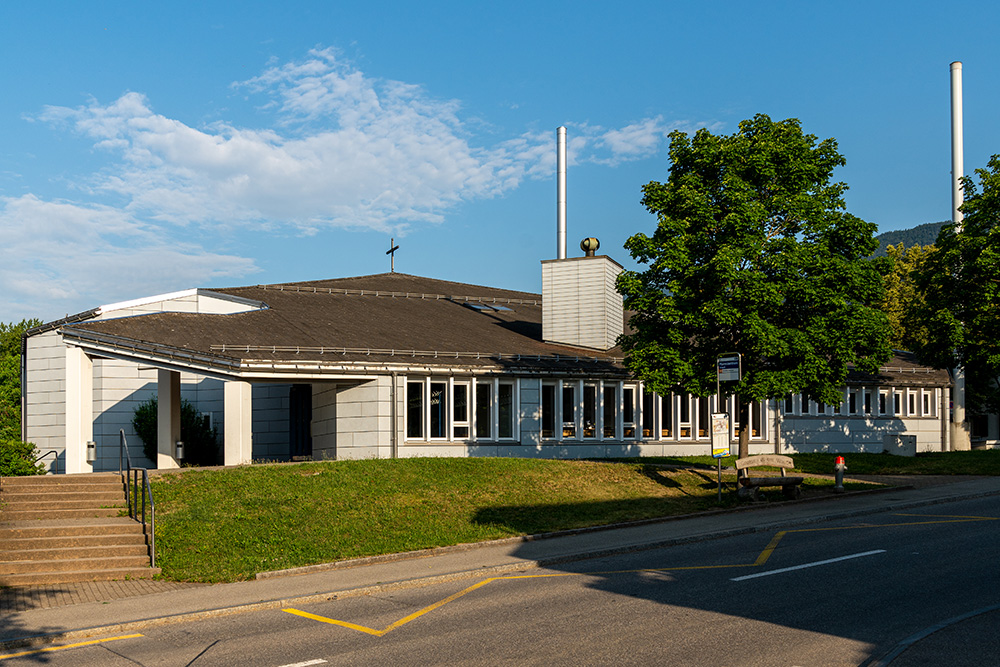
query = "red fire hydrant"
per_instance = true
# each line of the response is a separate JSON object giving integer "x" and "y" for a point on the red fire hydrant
{"x": 838, "y": 471}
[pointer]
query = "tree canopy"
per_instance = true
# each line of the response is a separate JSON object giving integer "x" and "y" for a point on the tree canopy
{"x": 754, "y": 253}
{"x": 959, "y": 287}
{"x": 10, "y": 377}
{"x": 902, "y": 297}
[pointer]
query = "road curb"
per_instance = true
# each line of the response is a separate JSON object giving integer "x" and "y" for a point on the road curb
{"x": 280, "y": 603}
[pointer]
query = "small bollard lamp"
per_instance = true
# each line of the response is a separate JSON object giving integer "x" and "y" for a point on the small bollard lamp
{"x": 179, "y": 450}
{"x": 91, "y": 451}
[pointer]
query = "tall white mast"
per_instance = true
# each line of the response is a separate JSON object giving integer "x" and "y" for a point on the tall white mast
{"x": 959, "y": 432}
{"x": 561, "y": 192}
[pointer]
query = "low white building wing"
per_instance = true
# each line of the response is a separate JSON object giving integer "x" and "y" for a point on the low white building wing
{"x": 397, "y": 365}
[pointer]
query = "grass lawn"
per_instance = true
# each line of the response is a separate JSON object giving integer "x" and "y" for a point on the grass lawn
{"x": 227, "y": 525}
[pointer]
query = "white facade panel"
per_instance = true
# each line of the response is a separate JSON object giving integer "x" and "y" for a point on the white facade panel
{"x": 364, "y": 413}
{"x": 577, "y": 307}
{"x": 324, "y": 421}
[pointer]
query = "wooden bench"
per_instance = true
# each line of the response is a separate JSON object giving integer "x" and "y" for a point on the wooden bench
{"x": 748, "y": 486}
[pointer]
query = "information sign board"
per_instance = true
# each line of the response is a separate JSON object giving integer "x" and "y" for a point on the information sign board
{"x": 720, "y": 435}
{"x": 729, "y": 368}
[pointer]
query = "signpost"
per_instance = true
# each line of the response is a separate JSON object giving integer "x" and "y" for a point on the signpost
{"x": 720, "y": 442}
{"x": 729, "y": 368}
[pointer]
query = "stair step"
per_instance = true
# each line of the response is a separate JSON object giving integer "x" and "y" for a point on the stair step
{"x": 73, "y": 564}
{"x": 42, "y": 578}
{"x": 59, "y": 502}
{"x": 75, "y": 527}
{"x": 100, "y": 495}
{"x": 61, "y": 481}
{"x": 66, "y": 528}
{"x": 70, "y": 541}
{"x": 22, "y": 515}
{"x": 68, "y": 552}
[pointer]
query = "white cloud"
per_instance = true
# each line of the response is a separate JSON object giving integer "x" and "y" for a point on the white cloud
{"x": 338, "y": 149}
{"x": 346, "y": 150}
{"x": 59, "y": 255}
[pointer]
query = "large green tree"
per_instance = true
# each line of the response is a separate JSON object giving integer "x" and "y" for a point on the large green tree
{"x": 754, "y": 253}
{"x": 10, "y": 377}
{"x": 902, "y": 297}
{"x": 959, "y": 285}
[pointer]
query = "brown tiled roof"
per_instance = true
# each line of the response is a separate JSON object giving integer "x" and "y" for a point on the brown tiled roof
{"x": 387, "y": 318}
{"x": 399, "y": 319}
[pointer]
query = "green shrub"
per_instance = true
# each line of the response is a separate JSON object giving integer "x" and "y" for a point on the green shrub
{"x": 201, "y": 440}
{"x": 18, "y": 459}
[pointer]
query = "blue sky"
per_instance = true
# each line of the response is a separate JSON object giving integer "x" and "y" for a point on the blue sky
{"x": 153, "y": 147}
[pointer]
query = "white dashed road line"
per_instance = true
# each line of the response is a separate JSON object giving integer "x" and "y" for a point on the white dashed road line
{"x": 805, "y": 565}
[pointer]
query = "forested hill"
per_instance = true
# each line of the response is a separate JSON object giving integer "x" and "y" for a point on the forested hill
{"x": 925, "y": 234}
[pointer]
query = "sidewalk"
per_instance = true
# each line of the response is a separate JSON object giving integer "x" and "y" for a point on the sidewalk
{"x": 69, "y": 611}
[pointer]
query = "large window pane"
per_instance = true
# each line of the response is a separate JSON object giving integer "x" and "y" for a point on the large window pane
{"x": 506, "y": 410}
{"x": 684, "y": 415}
{"x": 628, "y": 412}
{"x": 414, "y": 409}
{"x": 460, "y": 411}
{"x": 757, "y": 420}
{"x": 589, "y": 411}
{"x": 667, "y": 416}
{"x": 569, "y": 411}
{"x": 439, "y": 410}
{"x": 648, "y": 414}
{"x": 548, "y": 411}
{"x": 610, "y": 411}
{"x": 484, "y": 411}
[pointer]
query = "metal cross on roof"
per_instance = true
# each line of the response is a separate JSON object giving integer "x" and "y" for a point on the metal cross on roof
{"x": 392, "y": 254}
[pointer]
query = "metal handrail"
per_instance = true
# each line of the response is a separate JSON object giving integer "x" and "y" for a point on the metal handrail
{"x": 51, "y": 451}
{"x": 136, "y": 493}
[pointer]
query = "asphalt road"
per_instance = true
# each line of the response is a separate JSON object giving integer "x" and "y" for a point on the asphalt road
{"x": 918, "y": 588}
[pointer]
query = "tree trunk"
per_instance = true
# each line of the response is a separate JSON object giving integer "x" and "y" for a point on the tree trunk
{"x": 744, "y": 408}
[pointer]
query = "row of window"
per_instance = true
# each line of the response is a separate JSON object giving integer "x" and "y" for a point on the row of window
{"x": 486, "y": 410}
{"x": 453, "y": 409}
{"x": 869, "y": 401}
{"x": 456, "y": 409}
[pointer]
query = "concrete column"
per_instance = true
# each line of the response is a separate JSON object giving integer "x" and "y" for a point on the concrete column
{"x": 238, "y": 423}
{"x": 79, "y": 409}
{"x": 168, "y": 418}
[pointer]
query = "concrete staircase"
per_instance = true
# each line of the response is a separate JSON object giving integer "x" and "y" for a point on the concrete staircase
{"x": 64, "y": 528}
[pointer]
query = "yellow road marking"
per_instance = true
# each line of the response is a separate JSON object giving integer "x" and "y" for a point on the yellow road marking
{"x": 62, "y": 648}
{"x": 761, "y": 560}
{"x": 769, "y": 549}
{"x": 333, "y": 621}
{"x": 405, "y": 619}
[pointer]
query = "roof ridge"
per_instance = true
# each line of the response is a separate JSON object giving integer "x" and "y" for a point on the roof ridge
{"x": 285, "y": 287}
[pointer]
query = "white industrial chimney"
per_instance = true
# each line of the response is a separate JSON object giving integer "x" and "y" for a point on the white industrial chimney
{"x": 560, "y": 192}
{"x": 959, "y": 431}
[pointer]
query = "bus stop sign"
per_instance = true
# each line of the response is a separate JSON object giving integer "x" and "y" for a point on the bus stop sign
{"x": 729, "y": 367}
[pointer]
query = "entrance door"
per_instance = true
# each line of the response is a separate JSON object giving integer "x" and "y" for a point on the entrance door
{"x": 299, "y": 421}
